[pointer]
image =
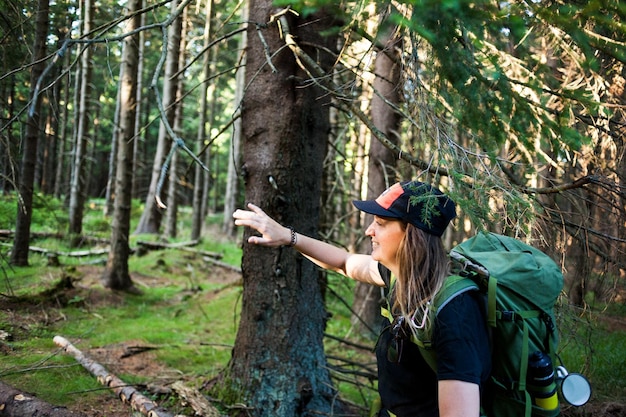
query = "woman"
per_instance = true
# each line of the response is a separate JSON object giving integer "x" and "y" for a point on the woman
{"x": 408, "y": 258}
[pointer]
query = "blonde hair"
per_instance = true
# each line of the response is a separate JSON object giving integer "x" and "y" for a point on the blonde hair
{"x": 424, "y": 265}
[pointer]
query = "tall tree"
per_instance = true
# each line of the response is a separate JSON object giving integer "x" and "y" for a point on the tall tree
{"x": 198, "y": 182}
{"x": 60, "y": 174}
{"x": 139, "y": 105}
{"x": 234, "y": 151}
{"x": 171, "y": 218}
{"x": 110, "y": 192}
{"x": 150, "y": 221}
{"x": 381, "y": 170}
{"x": 19, "y": 254}
{"x": 278, "y": 359}
{"x": 81, "y": 141}
{"x": 115, "y": 275}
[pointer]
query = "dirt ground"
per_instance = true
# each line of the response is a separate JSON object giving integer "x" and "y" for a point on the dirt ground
{"x": 132, "y": 357}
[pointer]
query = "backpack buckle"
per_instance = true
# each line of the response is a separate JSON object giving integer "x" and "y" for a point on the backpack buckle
{"x": 508, "y": 316}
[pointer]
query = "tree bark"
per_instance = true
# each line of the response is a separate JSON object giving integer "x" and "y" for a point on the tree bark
{"x": 382, "y": 161}
{"x": 77, "y": 187}
{"x": 278, "y": 360}
{"x": 150, "y": 221}
{"x": 109, "y": 194}
{"x": 172, "y": 190}
{"x": 139, "y": 139}
{"x": 19, "y": 254}
{"x": 198, "y": 182}
{"x": 15, "y": 403}
{"x": 116, "y": 275}
{"x": 234, "y": 156}
{"x": 208, "y": 182}
{"x": 60, "y": 175}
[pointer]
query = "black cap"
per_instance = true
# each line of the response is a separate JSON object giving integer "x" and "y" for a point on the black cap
{"x": 420, "y": 204}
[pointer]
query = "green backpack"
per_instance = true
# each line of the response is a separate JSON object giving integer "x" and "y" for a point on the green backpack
{"x": 521, "y": 285}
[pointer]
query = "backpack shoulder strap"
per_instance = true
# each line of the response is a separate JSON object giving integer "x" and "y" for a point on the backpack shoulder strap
{"x": 453, "y": 286}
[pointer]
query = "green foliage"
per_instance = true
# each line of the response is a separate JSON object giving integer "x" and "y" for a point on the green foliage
{"x": 48, "y": 214}
{"x": 8, "y": 212}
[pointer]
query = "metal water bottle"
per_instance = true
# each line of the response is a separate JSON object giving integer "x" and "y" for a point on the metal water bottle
{"x": 540, "y": 381}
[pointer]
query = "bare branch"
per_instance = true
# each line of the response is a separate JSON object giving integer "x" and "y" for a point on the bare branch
{"x": 128, "y": 394}
{"x": 319, "y": 76}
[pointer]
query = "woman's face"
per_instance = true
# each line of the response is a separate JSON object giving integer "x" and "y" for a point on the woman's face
{"x": 386, "y": 234}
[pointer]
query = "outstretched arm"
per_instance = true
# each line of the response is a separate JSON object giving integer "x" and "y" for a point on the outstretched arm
{"x": 458, "y": 399}
{"x": 359, "y": 267}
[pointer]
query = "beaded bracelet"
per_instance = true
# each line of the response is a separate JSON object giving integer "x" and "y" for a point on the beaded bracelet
{"x": 294, "y": 237}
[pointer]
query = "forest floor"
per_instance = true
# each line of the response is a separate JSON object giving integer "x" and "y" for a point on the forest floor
{"x": 125, "y": 358}
{"x": 145, "y": 365}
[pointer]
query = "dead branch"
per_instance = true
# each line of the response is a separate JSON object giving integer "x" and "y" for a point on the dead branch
{"x": 9, "y": 234}
{"x": 196, "y": 400}
{"x": 78, "y": 253}
{"x": 126, "y": 393}
{"x": 185, "y": 246}
{"x": 222, "y": 264}
{"x": 136, "y": 350}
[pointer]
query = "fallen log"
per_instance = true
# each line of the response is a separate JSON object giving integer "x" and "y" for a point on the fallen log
{"x": 6, "y": 233}
{"x": 128, "y": 394}
{"x": 10, "y": 234}
{"x": 15, "y": 403}
{"x": 184, "y": 246}
{"x": 221, "y": 264}
{"x": 76, "y": 253}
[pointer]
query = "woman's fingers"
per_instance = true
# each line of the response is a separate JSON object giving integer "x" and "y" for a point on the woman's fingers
{"x": 246, "y": 217}
{"x": 257, "y": 219}
{"x": 255, "y": 208}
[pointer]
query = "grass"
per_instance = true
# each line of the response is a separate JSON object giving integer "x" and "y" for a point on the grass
{"x": 191, "y": 329}
{"x": 592, "y": 343}
{"x": 189, "y": 313}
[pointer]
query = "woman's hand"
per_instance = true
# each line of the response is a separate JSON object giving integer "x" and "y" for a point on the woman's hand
{"x": 272, "y": 233}
{"x": 359, "y": 267}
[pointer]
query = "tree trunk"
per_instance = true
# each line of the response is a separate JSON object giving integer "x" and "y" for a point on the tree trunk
{"x": 171, "y": 214}
{"x": 230, "y": 197}
{"x": 78, "y": 188}
{"x": 278, "y": 360}
{"x": 139, "y": 139}
{"x": 381, "y": 163}
{"x": 7, "y": 178}
{"x": 49, "y": 153}
{"x": 61, "y": 165}
{"x": 116, "y": 275}
{"x": 198, "y": 183}
{"x": 207, "y": 204}
{"x": 150, "y": 221}
{"x": 172, "y": 191}
{"x": 19, "y": 254}
{"x": 109, "y": 194}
